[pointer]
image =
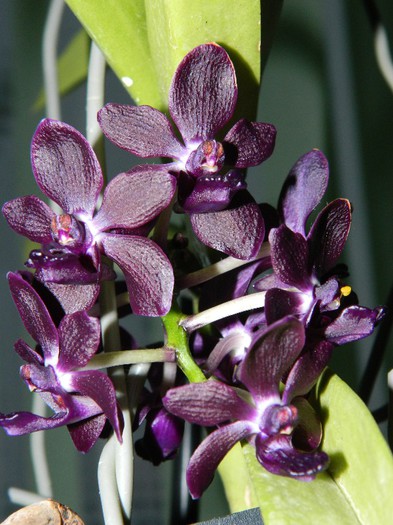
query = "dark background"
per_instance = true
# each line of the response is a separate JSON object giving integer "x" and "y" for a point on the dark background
{"x": 322, "y": 89}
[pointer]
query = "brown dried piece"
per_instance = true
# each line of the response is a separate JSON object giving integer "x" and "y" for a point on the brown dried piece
{"x": 47, "y": 512}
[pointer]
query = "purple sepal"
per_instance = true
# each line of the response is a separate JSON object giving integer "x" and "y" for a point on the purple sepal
{"x": 237, "y": 231}
{"x": 354, "y": 323}
{"x": 271, "y": 353}
{"x": 68, "y": 409}
{"x": 278, "y": 456}
{"x": 31, "y": 217}
{"x": 141, "y": 130}
{"x": 303, "y": 190}
{"x": 79, "y": 337}
{"x": 211, "y": 451}
{"x": 249, "y": 143}
{"x": 306, "y": 370}
{"x": 28, "y": 354}
{"x": 65, "y": 167}
{"x": 147, "y": 270}
{"x": 85, "y": 433}
{"x": 290, "y": 256}
{"x": 35, "y": 315}
{"x": 148, "y": 188}
{"x": 203, "y": 93}
{"x": 207, "y": 404}
{"x": 21, "y": 423}
{"x": 97, "y": 386}
{"x": 329, "y": 234}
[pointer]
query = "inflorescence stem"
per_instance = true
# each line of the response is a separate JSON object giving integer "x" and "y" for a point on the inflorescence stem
{"x": 236, "y": 306}
{"x": 130, "y": 357}
{"x": 218, "y": 268}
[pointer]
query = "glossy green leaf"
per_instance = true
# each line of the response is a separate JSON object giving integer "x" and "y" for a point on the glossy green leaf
{"x": 356, "y": 489}
{"x": 72, "y": 67}
{"x": 119, "y": 29}
{"x": 145, "y": 41}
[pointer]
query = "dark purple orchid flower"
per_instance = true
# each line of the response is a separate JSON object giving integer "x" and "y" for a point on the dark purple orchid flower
{"x": 305, "y": 278}
{"x": 67, "y": 171}
{"x": 267, "y": 418}
{"x": 82, "y": 400}
{"x": 202, "y": 99}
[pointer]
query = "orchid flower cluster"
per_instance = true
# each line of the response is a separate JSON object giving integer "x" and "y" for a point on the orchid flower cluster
{"x": 273, "y": 303}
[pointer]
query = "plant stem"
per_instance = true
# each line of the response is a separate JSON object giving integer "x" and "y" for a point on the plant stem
{"x": 238, "y": 305}
{"x": 130, "y": 357}
{"x": 218, "y": 268}
{"x": 178, "y": 340}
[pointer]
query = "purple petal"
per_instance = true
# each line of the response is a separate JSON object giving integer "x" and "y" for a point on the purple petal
{"x": 28, "y": 354}
{"x": 211, "y": 451}
{"x": 303, "y": 190}
{"x": 147, "y": 270}
{"x": 249, "y": 143}
{"x": 65, "y": 167}
{"x": 141, "y": 130}
{"x": 84, "y": 434}
{"x": 237, "y": 231}
{"x": 278, "y": 456}
{"x": 203, "y": 93}
{"x": 280, "y": 303}
{"x": 35, "y": 315}
{"x": 100, "y": 389}
{"x": 307, "y": 370}
{"x": 208, "y": 403}
{"x": 354, "y": 323}
{"x": 30, "y": 217}
{"x": 329, "y": 234}
{"x": 289, "y": 253}
{"x": 79, "y": 337}
{"x": 271, "y": 353}
{"x": 135, "y": 198}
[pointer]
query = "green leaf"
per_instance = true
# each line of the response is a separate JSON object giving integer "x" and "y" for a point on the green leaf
{"x": 361, "y": 461}
{"x": 72, "y": 67}
{"x": 356, "y": 489}
{"x": 119, "y": 29}
{"x": 145, "y": 41}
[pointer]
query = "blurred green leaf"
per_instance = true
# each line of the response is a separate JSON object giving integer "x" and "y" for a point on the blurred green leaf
{"x": 119, "y": 29}
{"x": 356, "y": 489}
{"x": 72, "y": 67}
